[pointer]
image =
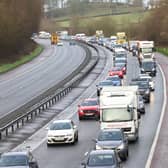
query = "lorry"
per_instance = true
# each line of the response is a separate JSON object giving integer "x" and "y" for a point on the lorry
{"x": 118, "y": 109}
{"x": 145, "y": 50}
{"x": 54, "y": 38}
{"x": 121, "y": 38}
{"x": 99, "y": 34}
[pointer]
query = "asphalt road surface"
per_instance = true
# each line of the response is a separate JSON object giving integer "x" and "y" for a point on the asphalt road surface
{"x": 63, "y": 156}
{"x": 28, "y": 81}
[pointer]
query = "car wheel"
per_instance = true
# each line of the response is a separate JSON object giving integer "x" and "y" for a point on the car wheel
{"x": 76, "y": 138}
{"x": 124, "y": 156}
{"x": 48, "y": 145}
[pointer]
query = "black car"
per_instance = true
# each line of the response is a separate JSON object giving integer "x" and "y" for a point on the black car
{"x": 102, "y": 159}
{"x": 144, "y": 89}
{"x": 141, "y": 105}
{"x": 113, "y": 139}
{"x": 148, "y": 66}
{"x": 21, "y": 159}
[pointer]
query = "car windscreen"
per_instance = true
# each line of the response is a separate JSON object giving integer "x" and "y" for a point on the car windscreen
{"x": 89, "y": 103}
{"x": 120, "y": 61}
{"x": 113, "y": 78}
{"x": 101, "y": 160}
{"x": 148, "y": 65}
{"x": 60, "y": 126}
{"x": 105, "y": 83}
{"x": 110, "y": 136}
{"x": 13, "y": 160}
{"x": 143, "y": 84}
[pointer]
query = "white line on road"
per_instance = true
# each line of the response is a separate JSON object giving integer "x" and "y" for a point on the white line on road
{"x": 150, "y": 156}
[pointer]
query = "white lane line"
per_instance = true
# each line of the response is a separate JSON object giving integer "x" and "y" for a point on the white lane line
{"x": 150, "y": 156}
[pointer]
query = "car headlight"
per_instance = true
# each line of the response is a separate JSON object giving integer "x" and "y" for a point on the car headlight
{"x": 49, "y": 135}
{"x": 98, "y": 147}
{"x": 147, "y": 92}
{"x": 69, "y": 135}
{"x": 121, "y": 147}
{"x": 140, "y": 104}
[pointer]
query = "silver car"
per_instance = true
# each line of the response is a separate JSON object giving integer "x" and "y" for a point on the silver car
{"x": 23, "y": 159}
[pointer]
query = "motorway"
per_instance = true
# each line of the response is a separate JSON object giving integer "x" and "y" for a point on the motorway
{"x": 30, "y": 80}
{"x": 63, "y": 156}
{"x": 71, "y": 156}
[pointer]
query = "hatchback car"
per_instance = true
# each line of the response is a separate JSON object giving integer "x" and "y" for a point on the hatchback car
{"x": 143, "y": 88}
{"x": 102, "y": 159}
{"x": 62, "y": 131}
{"x": 89, "y": 108}
{"x": 116, "y": 71}
{"x": 21, "y": 159}
{"x": 113, "y": 139}
{"x": 150, "y": 79}
{"x": 141, "y": 105}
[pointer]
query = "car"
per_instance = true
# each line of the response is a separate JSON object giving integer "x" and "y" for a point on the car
{"x": 143, "y": 88}
{"x": 62, "y": 132}
{"x": 120, "y": 61}
{"x": 114, "y": 139}
{"x": 116, "y": 71}
{"x": 115, "y": 79}
{"x": 89, "y": 108}
{"x": 102, "y": 159}
{"x": 148, "y": 66}
{"x": 44, "y": 35}
{"x": 72, "y": 42}
{"x": 141, "y": 105}
{"x": 103, "y": 83}
{"x": 151, "y": 81}
{"x": 19, "y": 159}
{"x": 59, "y": 43}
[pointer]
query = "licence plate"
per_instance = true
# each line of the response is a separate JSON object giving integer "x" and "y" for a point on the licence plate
{"x": 88, "y": 114}
{"x": 59, "y": 138}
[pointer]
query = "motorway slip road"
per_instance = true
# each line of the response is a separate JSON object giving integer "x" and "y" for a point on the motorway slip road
{"x": 160, "y": 157}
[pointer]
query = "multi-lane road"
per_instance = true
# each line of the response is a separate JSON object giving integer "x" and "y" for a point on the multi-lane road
{"x": 71, "y": 156}
{"x": 26, "y": 82}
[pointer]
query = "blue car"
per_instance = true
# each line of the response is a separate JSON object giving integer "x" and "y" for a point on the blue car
{"x": 116, "y": 80}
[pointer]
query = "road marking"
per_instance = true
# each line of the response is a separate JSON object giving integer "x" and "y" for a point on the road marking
{"x": 151, "y": 153}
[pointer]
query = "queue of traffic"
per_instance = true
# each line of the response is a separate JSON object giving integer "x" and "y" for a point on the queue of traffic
{"x": 120, "y": 107}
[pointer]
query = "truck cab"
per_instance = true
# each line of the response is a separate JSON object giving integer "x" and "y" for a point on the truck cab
{"x": 118, "y": 109}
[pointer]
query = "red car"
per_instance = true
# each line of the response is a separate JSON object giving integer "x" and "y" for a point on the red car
{"x": 116, "y": 71}
{"x": 89, "y": 108}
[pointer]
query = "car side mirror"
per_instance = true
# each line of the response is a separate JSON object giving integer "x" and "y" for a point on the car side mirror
{"x": 83, "y": 164}
{"x": 33, "y": 164}
{"x": 139, "y": 115}
{"x": 94, "y": 140}
{"x": 74, "y": 127}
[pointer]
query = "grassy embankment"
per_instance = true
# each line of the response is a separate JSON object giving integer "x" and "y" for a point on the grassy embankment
{"x": 163, "y": 50}
{"x": 123, "y": 20}
{"x": 23, "y": 60}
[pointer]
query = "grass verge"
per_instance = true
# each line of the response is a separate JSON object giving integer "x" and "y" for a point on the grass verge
{"x": 7, "y": 67}
{"x": 163, "y": 50}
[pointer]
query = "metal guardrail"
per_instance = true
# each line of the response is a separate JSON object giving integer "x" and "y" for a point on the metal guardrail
{"x": 47, "y": 102}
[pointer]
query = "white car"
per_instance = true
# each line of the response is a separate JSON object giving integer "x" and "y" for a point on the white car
{"x": 60, "y": 43}
{"x": 151, "y": 81}
{"x": 62, "y": 131}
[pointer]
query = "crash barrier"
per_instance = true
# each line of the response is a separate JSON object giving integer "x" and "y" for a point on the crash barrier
{"x": 36, "y": 109}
